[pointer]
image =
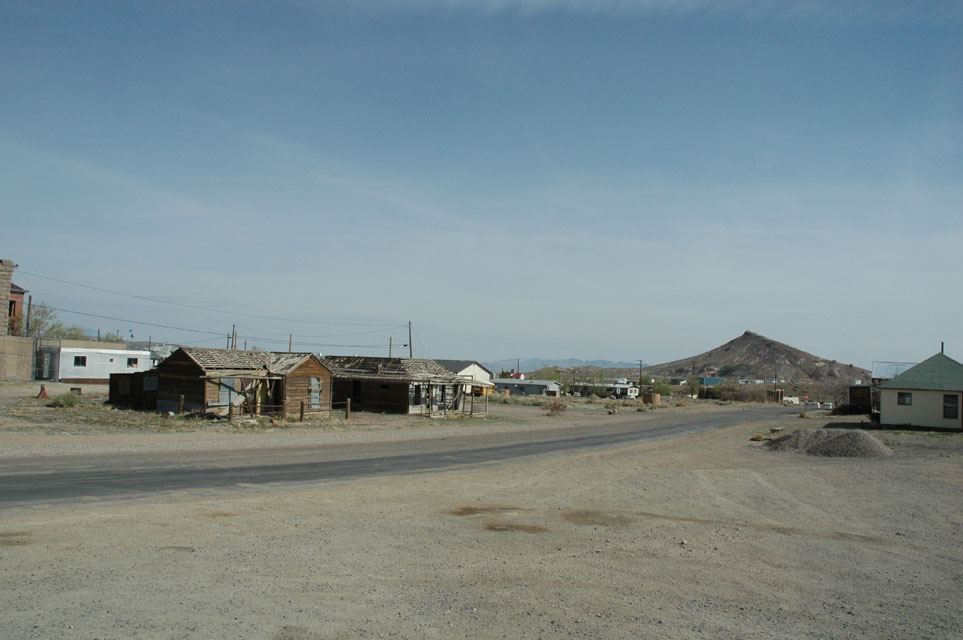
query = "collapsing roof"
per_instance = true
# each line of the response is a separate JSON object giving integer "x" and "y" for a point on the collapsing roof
{"x": 397, "y": 369}
{"x": 246, "y": 363}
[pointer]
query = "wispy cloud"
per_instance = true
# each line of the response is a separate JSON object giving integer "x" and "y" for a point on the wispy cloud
{"x": 820, "y": 11}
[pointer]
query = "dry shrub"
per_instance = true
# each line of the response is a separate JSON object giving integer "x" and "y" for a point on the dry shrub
{"x": 554, "y": 407}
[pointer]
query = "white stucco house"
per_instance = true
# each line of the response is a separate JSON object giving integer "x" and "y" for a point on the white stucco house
{"x": 927, "y": 395}
{"x": 90, "y": 366}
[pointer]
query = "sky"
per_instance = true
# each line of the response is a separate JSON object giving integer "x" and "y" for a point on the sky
{"x": 621, "y": 180}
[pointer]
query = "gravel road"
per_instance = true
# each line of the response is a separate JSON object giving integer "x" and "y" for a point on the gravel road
{"x": 697, "y": 536}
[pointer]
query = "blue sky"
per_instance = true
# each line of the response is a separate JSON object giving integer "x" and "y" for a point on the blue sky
{"x": 534, "y": 178}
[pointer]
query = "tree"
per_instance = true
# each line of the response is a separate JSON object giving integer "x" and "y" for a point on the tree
{"x": 44, "y": 322}
{"x": 662, "y": 387}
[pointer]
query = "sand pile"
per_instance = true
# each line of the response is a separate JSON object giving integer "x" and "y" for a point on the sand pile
{"x": 831, "y": 442}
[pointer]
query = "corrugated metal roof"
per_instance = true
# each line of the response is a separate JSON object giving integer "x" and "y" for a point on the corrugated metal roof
{"x": 889, "y": 370}
{"x": 937, "y": 373}
{"x": 413, "y": 369}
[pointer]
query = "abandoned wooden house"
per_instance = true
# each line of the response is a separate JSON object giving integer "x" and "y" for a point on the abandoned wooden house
{"x": 224, "y": 381}
{"x": 394, "y": 385}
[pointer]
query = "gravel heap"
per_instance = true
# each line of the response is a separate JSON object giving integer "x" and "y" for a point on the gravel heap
{"x": 831, "y": 442}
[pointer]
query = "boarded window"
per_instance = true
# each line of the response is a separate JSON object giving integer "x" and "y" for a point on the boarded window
{"x": 314, "y": 393}
{"x": 225, "y": 391}
{"x": 951, "y": 406}
{"x": 80, "y": 361}
{"x": 904, "y": 398}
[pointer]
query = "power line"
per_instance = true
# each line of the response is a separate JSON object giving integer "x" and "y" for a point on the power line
{"x": 332, "y": 335}
{"x": 146, "y": 324}
{"x": 318, "y": 344}
{"x": 200, "y": 308}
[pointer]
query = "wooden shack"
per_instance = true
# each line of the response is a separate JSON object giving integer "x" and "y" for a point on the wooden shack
{"x": 394, "y": 385}
{"x": 136, "y": 390}
{"x": 225, "y": 381}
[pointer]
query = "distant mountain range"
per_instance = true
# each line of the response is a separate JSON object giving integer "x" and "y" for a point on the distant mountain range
{"x": 534, "y": 364}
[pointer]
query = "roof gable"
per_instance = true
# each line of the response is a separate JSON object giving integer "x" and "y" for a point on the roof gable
{"x": 457, "y": 366}
{"x": 937, "y": 373}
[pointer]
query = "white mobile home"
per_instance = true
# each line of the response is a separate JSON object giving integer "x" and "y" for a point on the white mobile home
{"x": 90, "y": 366}
{"x": 516, "y": 386}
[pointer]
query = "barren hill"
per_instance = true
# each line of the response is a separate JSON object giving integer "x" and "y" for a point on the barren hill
{"x": 752, "y": 356}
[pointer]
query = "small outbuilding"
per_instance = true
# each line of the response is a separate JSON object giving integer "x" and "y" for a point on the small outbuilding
{"x": 926, "y": 395}
{"x": 227, "y": 381}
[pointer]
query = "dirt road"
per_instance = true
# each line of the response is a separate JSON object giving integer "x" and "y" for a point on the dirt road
{"x": 700, "y": 536}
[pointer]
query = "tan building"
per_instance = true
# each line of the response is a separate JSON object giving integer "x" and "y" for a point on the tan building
{"x": 927, "y": 395}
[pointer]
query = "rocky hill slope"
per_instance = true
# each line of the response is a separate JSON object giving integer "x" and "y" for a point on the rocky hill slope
{"x": 754, "y": 357}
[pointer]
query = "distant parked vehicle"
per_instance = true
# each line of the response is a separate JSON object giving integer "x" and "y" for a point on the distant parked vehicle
{"x": 825, "y": 405}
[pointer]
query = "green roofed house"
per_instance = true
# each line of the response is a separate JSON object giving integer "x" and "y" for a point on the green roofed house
{"x": 927, "y": 395}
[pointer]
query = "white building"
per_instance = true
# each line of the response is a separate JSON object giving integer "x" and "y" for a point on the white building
{"x": 478, "y": 379}
{"x": 89, "y": 365}
{"x": 927, "y": 395}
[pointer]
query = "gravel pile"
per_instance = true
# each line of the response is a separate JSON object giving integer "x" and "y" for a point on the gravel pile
{"x": 831, "y": 442}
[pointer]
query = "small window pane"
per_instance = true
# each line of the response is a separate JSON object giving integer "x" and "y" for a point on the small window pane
{"x": 80, "y": 361}
{"x": 905, "y": 399}
{"x": 131, "y": 362}
{"x": 951, "y": 407}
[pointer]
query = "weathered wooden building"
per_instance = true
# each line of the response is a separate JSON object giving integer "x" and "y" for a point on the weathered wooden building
{"x": 134, "y": 390}
{"x": 223, "y": 381}
{"x": 394, "y": 385}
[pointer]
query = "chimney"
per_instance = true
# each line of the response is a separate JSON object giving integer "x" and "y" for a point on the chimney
{"x": 6, "y": 275}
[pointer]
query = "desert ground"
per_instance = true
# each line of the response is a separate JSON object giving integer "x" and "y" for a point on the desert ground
{"x": 700, "y": 536}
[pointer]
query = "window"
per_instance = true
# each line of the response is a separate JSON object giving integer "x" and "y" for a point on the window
{"x": 904, "y": 398}
{"x": 951, "y": 406}
{"x": 131, "y": 362}
{"x": 314, "y": 393}
{"x": 80, "y": 361}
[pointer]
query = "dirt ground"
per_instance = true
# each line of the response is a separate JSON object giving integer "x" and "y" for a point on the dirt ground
{"x": 706, "y": 536}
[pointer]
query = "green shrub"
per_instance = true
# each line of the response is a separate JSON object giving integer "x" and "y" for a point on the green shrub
{"x": 65, "y": 401}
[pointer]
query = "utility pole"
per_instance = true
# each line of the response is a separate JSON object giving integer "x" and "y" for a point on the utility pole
{"x": 410, "y": 352}
{"x": 640, "y": 375}
{"x": 29, "y": 309}
{"x": 290, "y": 341}
{"x": 390, "y": 338}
